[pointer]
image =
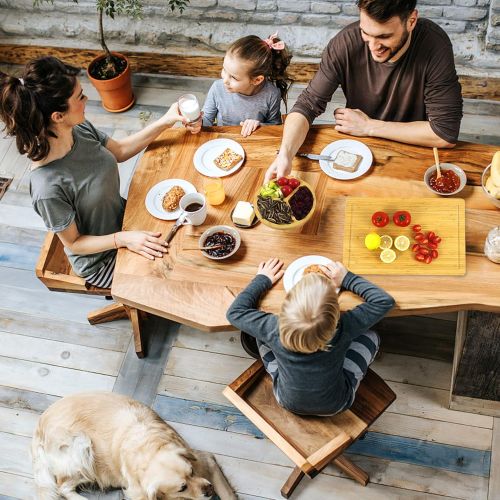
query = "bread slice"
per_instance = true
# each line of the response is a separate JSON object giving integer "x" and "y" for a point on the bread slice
{"x": 314, "y": 268}
{"x": 348, "y": 162}
{"x": 227, "y": 159}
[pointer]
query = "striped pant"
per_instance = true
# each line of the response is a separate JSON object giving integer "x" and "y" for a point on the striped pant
{"x": 103, "y": 277}
{"x": 358, "y": 358}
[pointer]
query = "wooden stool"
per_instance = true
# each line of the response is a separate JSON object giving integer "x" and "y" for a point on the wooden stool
{"x": 310, "y": 442}
{"x": 54, "y": 271}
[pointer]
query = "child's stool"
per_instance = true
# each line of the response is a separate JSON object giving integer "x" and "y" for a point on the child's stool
{"x": 310, "y": 442}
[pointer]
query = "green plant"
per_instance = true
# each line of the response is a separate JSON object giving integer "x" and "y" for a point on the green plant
{"x": 130, "y": 8}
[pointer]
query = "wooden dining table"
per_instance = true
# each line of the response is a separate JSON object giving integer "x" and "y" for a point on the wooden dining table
{"x": 187, "y": 287}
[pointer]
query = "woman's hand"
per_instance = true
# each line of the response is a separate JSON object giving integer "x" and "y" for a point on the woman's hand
{"x": 145, "y": 243}
{"x": 336, "y": 271}
{"x": 195, "y": 127}
{"x": 272, "y": 269}
{"x": 249, "y": 126}
{"x": 172, "y": 116}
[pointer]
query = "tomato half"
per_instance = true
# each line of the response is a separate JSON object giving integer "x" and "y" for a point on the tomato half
{"x": 380, "y": 219}
{"x": 401, "y": 218}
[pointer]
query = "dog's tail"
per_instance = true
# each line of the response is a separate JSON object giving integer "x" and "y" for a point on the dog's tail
{"x": 46, "y": 487}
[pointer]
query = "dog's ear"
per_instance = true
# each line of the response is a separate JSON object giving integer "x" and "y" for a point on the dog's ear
{"x": 188, "y": 455}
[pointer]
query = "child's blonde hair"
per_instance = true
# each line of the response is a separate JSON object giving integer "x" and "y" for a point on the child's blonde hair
{"x": 309, "y": 315}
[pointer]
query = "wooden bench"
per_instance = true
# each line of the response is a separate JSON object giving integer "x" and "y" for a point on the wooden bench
{"x": 55, "y": 272}
{"x": 310, "y": 442}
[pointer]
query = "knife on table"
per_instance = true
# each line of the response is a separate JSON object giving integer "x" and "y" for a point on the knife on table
{"x": 175, "y": 227}
{"x": 316, "y": 157}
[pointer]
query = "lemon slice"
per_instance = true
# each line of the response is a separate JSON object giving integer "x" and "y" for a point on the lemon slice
{"x": 402, "y": 243}
{"x": 385, "y": 241}
{"x": 387, "y": 256}
{"x": 372, "y": 241}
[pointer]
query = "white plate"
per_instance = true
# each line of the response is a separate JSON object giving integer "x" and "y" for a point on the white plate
{"x": 295, "y": 270}
{"x": 351, "y": 146}
{"x": 204, "y": 157}
{"x": 155, "y": 195}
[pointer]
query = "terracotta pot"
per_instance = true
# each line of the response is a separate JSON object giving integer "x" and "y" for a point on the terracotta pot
{"x": 116, "y": 94}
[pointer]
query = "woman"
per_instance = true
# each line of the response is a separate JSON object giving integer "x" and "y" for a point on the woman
{"x": 74, "y": 182}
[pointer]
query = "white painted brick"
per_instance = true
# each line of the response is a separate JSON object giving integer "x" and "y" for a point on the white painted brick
{"x": 267, "y": 5}
{"x": 325, "y": 7}
{"x": 465, "y": 13}
{"x": 238, "y": 4}
{"x": 286, "y": 18}
{"x": 465, "y": 3}
{"x": 200, "y": 3}
{"x": 263, "y": 17}
{"x": 294, "y": 5}
{"x": 315, "y": 19}
{"x": 452, "y": 26}
{"x": 431, "y": 11}
{"x": 433, "y": 2}
{"x": 350, "y": 10}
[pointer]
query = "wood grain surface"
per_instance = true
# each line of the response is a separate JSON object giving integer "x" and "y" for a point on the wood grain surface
{"x": 187, "y": 287}
{"x": 446, "y": 217}
{"x": 473, "y": 87}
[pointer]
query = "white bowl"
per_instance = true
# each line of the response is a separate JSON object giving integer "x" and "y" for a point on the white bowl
{"x": 216, "y": 229}
{"x": 446, "y": 166}
{"x": 484, "y": 177}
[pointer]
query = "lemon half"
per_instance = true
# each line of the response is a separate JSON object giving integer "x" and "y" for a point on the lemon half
{"x": 402, "y": 243}
{"x": 385, "y": 241}
{"x": 372, "y": 241}
{"x": 387, "y": 256}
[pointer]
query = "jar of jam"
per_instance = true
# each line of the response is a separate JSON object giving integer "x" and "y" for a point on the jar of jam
{"x": 492, "y": 245}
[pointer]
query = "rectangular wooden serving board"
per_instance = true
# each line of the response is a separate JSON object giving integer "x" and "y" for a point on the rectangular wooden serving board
{"x": 446, "y": 217}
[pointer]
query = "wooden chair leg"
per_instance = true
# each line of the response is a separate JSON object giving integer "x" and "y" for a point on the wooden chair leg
{"x": 352, "y": 470}
{"x": 292, "y": 482}
{"x": 107, "y": 313}
{"x": 135, "y": 318}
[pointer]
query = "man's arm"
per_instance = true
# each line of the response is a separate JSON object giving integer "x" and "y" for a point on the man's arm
{"x": 294, "y": 134}
{"x": 355, "y": 122}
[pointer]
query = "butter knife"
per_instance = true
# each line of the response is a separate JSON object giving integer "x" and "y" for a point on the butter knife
{"x": 175, "y": 227}
{"x": 316, "y": 157}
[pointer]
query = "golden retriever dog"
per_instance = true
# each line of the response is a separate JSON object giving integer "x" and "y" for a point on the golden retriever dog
{"x": 116, "y": 442}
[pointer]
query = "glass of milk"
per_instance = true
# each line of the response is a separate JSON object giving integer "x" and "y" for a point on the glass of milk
{"x": 189, "y": 107}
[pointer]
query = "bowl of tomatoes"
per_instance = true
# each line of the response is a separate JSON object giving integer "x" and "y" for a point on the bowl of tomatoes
{"x": 452, "y": 180}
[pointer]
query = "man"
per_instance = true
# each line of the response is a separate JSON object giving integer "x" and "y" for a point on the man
{"x": 398, "y": 75}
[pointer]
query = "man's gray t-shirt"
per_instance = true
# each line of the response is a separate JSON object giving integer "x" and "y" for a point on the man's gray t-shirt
{"x": 82, "y": 187}
{"x": 231, "y": 108}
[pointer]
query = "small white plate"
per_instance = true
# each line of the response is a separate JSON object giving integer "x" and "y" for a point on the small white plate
{"x": 351, "y": 146}
{"x": 154, "y": 198}
{"x": 295, "y": 270}
{"x": 205, "y": 155}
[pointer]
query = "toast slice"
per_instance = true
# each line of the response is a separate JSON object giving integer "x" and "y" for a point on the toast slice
{"x": 227, "y": 159}
{"x": 348, "y": 162}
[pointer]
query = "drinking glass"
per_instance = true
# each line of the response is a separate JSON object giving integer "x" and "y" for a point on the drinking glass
{"x": 214, "y": 190}
{"x": 189, "y": 107}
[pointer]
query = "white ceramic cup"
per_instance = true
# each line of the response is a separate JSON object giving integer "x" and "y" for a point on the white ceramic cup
{"x": 189, "y": 107}
{"x": 197, "y": 217}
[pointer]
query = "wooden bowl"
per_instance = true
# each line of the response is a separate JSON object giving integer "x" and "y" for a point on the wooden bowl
{"x": 295, "y": 223}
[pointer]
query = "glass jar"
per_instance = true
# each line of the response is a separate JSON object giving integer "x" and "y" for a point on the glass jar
{"x": 492, "y": 245}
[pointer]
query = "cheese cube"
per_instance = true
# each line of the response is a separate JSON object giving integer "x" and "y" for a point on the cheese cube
{"x": 243, "y": 213}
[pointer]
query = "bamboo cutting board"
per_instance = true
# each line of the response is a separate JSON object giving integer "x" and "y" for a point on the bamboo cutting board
{"x": 446, "y": 217}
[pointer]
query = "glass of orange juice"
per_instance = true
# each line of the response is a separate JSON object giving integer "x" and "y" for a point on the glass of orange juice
{"x": 214, "y": 190}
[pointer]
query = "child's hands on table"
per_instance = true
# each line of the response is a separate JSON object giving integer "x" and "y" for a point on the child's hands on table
{"x": 272, "y": 269}
{"x": 336, "y": 271}
{"x": 249, "y": 126}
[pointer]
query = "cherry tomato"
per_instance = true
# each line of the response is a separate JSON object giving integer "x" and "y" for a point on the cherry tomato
{"x": 424, "y": 251}
{"x": 380, "y": 219}
{"x": 417, "y": 228}
{"x": 434, "y": 254}
{"x": 431, "y": 235}
{"x": 432, "y": 245}
{"x": 286, "y": 190}
{"x": 419, "y": 237}
{"x": 420, "y": 257}
{"x": 428, "y": 259}
{"x": 437, "y": 239}
{"x": 401, "y": 218}
{"x": 293, "y": 182}
{"x": 415, "y": 247}
{"x": 282, "y": 181}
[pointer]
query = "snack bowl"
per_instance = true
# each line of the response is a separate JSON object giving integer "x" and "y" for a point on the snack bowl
{"x": 295, "y": 223}
{"x": 210, "y": 232}
{"x": 484, "y": 178}
{"x": 446, "y": 166}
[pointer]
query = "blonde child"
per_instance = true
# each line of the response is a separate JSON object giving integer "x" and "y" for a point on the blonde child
{"x": 254, "y": 81}
{"x": 315, "y": 356}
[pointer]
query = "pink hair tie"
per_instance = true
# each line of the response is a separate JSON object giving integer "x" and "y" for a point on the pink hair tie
{"x": 280, "y": 45}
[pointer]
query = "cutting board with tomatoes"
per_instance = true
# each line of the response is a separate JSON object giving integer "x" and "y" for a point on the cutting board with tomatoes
{"x": 443, "y": 218}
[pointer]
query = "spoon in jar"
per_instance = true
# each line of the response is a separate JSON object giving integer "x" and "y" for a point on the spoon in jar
{"x": 436, "y": 159}
{"x": 214, "y": 247}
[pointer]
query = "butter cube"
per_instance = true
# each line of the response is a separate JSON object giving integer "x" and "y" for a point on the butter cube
{"x": 243, "y": 213}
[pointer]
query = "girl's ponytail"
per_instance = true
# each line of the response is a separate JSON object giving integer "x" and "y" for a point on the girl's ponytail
{"x": 27, "y": 103}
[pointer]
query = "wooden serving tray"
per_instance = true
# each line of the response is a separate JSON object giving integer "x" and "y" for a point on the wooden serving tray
{"x": 444, "y": 216}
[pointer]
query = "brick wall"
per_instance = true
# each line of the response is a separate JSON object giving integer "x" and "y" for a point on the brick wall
{"x": 208, "y": 26}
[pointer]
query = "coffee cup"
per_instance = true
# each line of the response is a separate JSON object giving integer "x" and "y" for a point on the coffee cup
{"x": 194, "y": 207}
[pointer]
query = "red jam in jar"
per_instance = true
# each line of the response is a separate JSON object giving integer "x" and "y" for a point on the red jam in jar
{"x": 449, "y": 182}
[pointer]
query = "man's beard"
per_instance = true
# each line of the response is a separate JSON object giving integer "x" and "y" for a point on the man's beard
{"x": 400, "y": 45}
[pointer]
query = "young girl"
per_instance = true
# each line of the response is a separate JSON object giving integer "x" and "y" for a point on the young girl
{"x": 74, "y": 182}
{"x": 254, "y": 81}
{"x": 315, "y": 356}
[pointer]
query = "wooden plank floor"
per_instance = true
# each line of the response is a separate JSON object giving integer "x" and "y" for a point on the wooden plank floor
{"x": 417, "y": 449}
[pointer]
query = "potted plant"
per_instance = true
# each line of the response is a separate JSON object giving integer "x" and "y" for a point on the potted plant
{"x": 110, "y": 72}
